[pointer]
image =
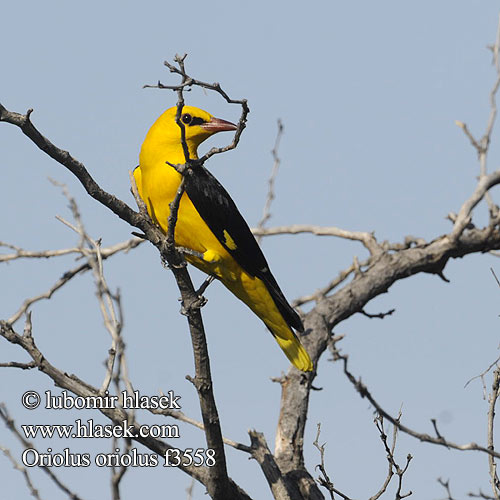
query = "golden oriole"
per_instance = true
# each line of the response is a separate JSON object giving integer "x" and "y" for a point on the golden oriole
{"x": 209, "y": 223}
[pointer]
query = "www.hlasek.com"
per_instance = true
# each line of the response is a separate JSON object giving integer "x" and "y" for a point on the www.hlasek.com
{"x": 172, "y": 457}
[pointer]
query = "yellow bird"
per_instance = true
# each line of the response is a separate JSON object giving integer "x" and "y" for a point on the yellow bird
{"x": 210, "y": 224}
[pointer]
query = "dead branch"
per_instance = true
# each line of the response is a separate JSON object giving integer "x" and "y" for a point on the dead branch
{"x": 368, "y": 239}
{"x": 324, "y": 479}
{"x": 9, "y": 422}
{"x": 23, "y": 470}
{"x": 446, "y": 486}
{"x": 381, "y": 315}
{"x": 266, "y": 214}
{"x": 495, "y": 392}
{"x": 15, "y": 364}
{"x": 279, "y": 486}
{"x": 182, "y": 417}
{"x": 187, "y": 82}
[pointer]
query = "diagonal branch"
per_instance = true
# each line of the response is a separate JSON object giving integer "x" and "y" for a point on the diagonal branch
{"x": 182, "y": 417}
{"x": 23, "y": 470}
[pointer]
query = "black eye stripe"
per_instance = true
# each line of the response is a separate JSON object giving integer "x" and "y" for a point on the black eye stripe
{"x": 197, "y": 121}
{"x": 188, "y": 119}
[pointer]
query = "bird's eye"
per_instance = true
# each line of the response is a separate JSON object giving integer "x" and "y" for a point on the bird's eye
{"x": 186, "y": 118}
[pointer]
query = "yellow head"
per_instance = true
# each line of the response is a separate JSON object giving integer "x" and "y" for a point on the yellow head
{"x": 163, "y": 141}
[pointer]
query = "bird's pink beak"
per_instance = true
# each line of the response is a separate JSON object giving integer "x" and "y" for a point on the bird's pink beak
{"x": 218, "y": 125}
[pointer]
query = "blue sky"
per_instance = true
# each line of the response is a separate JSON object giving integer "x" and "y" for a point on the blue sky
{"x": 368, "y": 93}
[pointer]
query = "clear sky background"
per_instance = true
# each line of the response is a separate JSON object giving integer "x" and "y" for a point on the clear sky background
{"x": 368, "y": 93}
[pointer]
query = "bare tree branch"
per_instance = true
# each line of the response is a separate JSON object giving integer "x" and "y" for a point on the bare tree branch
{"x": 266, "y": 215}
{"x": 394, "y": 468}
{"x": 23, "y": 470}
{"x": 20, "y": 253}
{"x": 382, "y": 315}
{"x": 68, "y": 275}
{"x": 188, "y": 81}
{"x": 324, "y": 479}
{"x": 334, "y": 283}
{"x": 368, "y": 239}
{"x": 482, "y": 146}
{"x": 280, "y": 487}
{"x": 15, "y": 364}
{"x": 112, "y": 320}
{"x": 182, "y": 417}
{"x": 495, "y": 392}
{"x": 446, "y": 486}
{"x": 480, "y": 495}
{"x": 9, "y": 422}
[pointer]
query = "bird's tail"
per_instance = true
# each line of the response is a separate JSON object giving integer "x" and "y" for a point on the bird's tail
{"x": 254, "y": 293}
{"x": 294, "y": 350}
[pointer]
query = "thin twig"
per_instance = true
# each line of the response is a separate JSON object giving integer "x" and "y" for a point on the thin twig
{"x": 446, "y": 486}
{"x": 482, "y": 146}
{"x": 182, "y": 417}
{"x": 334, "y": 283}
{"x": 494, "y": 394}
{"x": 15, "y": 364}
{"x": 481, "y": 495}
{"x": 9, "y": 422}
{"x": 324, "y": 480}
{"x": 266, "y": 215}
{"x": 23, "y": 470}
{"x": 68, "y": 275}
{"x": 187, "y": 82}
{"x": 368, "y": 239}
{"x": 111, "y": 314}
{"x": 190, "y": 489}
{"x": 394, "y": 468}
{"x": 381, "y": 315}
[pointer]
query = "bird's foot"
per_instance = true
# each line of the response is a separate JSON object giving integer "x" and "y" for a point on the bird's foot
{"x": 188, "y": 251}
{"x": 166, "y": 265}
{"x": 197, "y": 303}
{"x": 204, "y": 286}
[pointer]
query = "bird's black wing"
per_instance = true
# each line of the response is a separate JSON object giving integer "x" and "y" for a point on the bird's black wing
{"x": 221, "y": 215}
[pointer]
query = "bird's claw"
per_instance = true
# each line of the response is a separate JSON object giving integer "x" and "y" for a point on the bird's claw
{"x": 197, "y": 303}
